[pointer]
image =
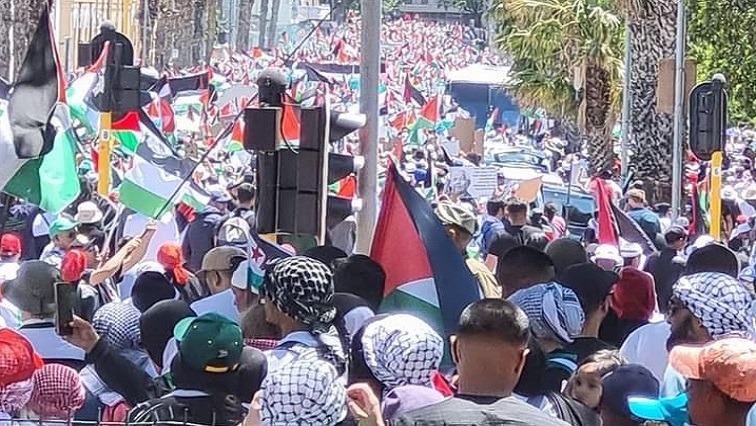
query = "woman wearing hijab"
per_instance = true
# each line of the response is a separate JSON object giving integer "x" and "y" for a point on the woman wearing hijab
{"x": 18, "y": 362}
{"x": 395, "y": 350}
{"x": 297, "y": 293}
{"x": 170, "y": 256}
{"x": 58, "y": 393}
{"x": 122, "y": 375}
{"x": 118, "y": 324}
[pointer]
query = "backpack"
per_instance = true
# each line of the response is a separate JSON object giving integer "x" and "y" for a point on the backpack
{"x": 234, "y": 231}
{"x": 573, "y": 412}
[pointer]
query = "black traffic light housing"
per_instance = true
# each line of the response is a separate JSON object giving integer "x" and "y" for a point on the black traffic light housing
{"x": 708, "y": 118}
{"x": 293, "y": 181}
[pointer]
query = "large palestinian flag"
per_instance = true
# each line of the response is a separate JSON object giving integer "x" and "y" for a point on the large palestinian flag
{"x": 425, "y": 273}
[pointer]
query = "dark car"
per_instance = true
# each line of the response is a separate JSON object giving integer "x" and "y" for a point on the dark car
{"x": 575, "y": 205}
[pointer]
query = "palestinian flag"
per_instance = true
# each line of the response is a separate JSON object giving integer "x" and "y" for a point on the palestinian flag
{"x": 412, "y": 93}
{"x": 81, "y": 93}
{"x": 158, "y": 175}
{"x": 425, "y": 273}
{"x": 37, "y": 148}
{"x": 428, "y": 115}
{"x": 235, "y": 141}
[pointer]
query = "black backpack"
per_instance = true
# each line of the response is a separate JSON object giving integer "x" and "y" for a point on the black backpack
{"x": 572, "y": 411}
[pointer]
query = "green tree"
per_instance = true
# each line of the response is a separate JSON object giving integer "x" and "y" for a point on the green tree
{"x": 722, "y": 39}
{"x": 567, "y": 58}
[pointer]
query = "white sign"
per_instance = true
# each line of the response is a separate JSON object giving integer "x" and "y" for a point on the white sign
{"x": 475, "y": 182}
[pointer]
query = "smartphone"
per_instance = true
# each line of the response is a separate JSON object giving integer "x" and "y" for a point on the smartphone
{"x": 65, "y": 301}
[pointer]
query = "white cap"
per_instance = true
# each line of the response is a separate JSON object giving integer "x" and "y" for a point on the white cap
{"x": 631, "y": 250}
{"x": 607, "y": 252}
{"x": 240, "y": 278}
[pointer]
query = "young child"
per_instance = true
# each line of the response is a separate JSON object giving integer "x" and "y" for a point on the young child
{"x": 585, "y": 383}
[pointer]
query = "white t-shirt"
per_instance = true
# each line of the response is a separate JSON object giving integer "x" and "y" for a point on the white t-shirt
{"x": 647, "y": 346}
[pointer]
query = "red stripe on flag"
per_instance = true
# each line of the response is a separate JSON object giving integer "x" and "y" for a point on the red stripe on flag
{"x": 397, "y": 246}
{"x": 606, "y": 234}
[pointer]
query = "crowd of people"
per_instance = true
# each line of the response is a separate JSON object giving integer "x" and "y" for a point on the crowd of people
{"x": 565, "y": 333}
{"x": 185, "y": 319}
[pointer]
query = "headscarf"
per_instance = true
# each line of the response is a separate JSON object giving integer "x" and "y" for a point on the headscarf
{"x": 634, "y": 295}
{"x": 718, "y": 300}
{"x": 73, "y": 265}
{"x": 58, "y": 392}
{"x": 156, "y": 325}
{"x": 15, "y": 396}
{"x": 302, "y": 288}
{"x": 171, "y": 257}
{"x": 305, "y": 391}
{"x": 150, "y": 288}
{"x": 118, "y": 323}
{"x": 402, "y": 350}
{"x": 554, "y": 311}
{"x": 18, "y": 362}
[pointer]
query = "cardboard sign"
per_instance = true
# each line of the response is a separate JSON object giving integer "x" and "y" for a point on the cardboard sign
{"x": 464, "y": 131}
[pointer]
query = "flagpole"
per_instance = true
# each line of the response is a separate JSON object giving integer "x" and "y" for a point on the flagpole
{"x": 370, "y": 67}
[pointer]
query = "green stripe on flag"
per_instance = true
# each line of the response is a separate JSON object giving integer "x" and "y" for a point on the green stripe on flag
{"x": 141, "y": 199}
{"x": 398, "y": 301}
{"x": 128, "y": 140}
{"x": 51, "y": 181}
{"x": 147, "y": 188}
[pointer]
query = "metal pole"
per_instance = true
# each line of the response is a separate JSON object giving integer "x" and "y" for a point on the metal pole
{"x": 627, "y": 102}
{"x": 370, "y": 62}
{"x": 145, "y": 36}
{"x": 679, "y": 113}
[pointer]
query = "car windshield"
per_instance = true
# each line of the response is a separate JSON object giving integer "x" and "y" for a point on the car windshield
{"x": 581, "y": 205}
{"x": 516, "y": 157}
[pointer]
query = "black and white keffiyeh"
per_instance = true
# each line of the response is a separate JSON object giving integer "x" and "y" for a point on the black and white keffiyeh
{"x": 302, "y": 288}
{"x": 118, "y": 324}
{"x": 554, "y": 311}
{"x": 306, "y": 391}
{"x": 402, "y": 350}
{"x": 719, "y": 301}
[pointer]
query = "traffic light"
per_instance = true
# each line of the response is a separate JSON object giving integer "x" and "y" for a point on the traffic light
{"x": 708, "y": 118}
{"x": 293, "y": 181}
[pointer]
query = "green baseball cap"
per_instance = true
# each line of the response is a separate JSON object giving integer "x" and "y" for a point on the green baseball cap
{"x": 211, "y": 343}
{"x": 60, "y": 225}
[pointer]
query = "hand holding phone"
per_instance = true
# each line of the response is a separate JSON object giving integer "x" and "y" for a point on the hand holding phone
{"x": 65, "y": 301}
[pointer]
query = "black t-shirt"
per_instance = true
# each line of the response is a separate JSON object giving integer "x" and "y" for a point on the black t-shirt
{"x": 584, "y": 346}
{"x": 463, "y": 410}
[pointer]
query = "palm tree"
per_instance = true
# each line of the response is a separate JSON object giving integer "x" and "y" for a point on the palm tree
{"x": 244, "y": 22}
{"x": 567, "y": 58}
{"x": 6, "y": 22}
{"x": 263, "y": 24}
{"x": 652, "y": 27}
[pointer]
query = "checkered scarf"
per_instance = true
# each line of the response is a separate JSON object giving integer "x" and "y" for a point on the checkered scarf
{"x": 554, "y": 311}
{"x": 402, "y": 350}
{"x": 58, "y": 392}
{"x": 15, "y": 396}
{"x": 718, "y": 300}
{"x": 118, "y": 324}
{"x": 306, "y": 391}
{"x": 302, "y": 288}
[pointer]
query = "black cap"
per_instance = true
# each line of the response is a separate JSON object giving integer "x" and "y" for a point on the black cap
{"x": 590, "y": 283}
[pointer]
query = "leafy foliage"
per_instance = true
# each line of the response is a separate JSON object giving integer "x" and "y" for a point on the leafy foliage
{"x": 387, "y": 6}
{"x": 567, "y": 58}
{"x": 722, "y": 39}
{"x": 548, "y": 40}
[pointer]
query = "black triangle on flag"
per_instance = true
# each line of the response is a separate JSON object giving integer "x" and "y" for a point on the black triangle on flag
{"x": 35, "y": 93}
